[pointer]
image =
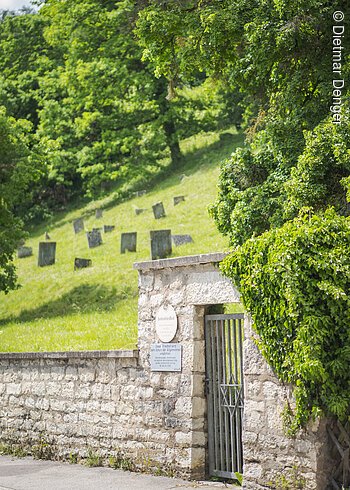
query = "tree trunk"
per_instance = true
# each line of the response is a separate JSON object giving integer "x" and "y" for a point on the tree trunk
{"x": 172, "y": 142}
{"x": 169, "y": 125}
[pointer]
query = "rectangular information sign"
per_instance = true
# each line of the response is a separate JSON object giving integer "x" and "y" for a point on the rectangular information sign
{"x": 166, "y": 357}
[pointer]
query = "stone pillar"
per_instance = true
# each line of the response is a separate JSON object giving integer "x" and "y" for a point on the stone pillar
{"x": 188, "y": 284}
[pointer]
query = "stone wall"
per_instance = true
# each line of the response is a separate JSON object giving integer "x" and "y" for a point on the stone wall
{"x": 270, "y": 458}
{"x": 111, "y": 402}
{"x": 72, "y": 400}
{"x": 103, "y": 402}
{"x": 114, "y": 404}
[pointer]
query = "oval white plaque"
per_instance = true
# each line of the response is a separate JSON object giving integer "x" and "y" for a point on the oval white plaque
{"x": 166, "y": 323}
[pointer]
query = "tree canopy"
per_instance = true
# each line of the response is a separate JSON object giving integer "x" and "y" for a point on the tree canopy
{"x": 81, "y": 99}
{"x": 278, "y": 54}
{"x": 20, "y": 167}
{"x": 290, "y": 258}
{"x": 75, "y": 70}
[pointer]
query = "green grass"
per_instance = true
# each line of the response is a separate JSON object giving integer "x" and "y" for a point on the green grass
{"x": 58, "y": 308}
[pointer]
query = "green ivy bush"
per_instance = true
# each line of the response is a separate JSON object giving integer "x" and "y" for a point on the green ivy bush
{"x": 249, "y": 199}
{"x": 295, "y": 282}
{"x": 322, "y": 170}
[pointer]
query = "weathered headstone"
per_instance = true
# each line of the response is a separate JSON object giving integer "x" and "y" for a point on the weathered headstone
{"x": 98, "y": 213}
{"x": 82, "y": 263}
{"x": 108, "y": 228}
{"x": 94, "y": 238}
{"x": 178, "y": 199}
{"x": 158, "y": 210}
{"x": 128, "y": 242}
{"x": 78, "y": 225}
{"x": 139, "y": 211}
{"x": 160, "y": 244}
{"x": 140, "y": 193}
{"x": 181, "y": 239}
{"x": 47, "y": 253}
{"x": 23, "y": 252}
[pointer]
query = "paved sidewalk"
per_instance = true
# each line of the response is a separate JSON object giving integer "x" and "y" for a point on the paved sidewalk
{"x": 29, "y": 474}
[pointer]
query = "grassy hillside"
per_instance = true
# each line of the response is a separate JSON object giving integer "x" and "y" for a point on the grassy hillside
{"x": 58, "y": 308}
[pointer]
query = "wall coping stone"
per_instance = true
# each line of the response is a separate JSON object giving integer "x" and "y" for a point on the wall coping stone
{"x": 92, "y": 354}
{"x": 185, "y": 261}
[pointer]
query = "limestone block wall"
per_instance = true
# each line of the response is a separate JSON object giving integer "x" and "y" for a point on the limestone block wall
{"x": 271, "y": 459}
{"x": 103, "y": 402}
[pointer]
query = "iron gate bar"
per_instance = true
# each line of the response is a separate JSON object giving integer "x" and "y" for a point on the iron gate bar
{"x": 218, "y": 358}
{"x": 230, "y": 331}
{"x": 239, "y": 419}
{"x": 224, "y": 366}
{"x": 226, "y": 430}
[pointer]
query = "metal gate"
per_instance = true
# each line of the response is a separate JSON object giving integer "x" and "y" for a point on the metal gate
{"x": 224, "y": 381}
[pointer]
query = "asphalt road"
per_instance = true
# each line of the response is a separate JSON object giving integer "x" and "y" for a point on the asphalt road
{"x": 29, "y": 474}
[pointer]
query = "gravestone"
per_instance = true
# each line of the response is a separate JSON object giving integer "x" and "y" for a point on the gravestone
{"x": 178, "y": 199}
{"x": 78, "y": 225}
{"x": 128, "y": 242}
{"x": 139, "y": 211}
{"x": 97, "y": 229}
{"x": 47, "y": 253}
{"x": 160, "y": 244}
{"x": 94, "y": 238}
{"x": 82, "y": 263}
{"x": 181, "y": 239}
{"x": 23, "y": 252}
{"x": 158, "y": 210}
{"x": 140, "y": 193}
{"x": 98, "y": 213}
{"x": 108, "y": 228}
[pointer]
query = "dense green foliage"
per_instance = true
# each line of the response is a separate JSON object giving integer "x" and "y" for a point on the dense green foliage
{"x": 255, "y": 195}
{"x": 22, "y": 45}
{"x": 296, "y": 282}
{"x": 98, "y": 112}
{"x": 105, "y": 122}
{"x": 278, "y": 54}
{"x": 294, "y": 278}
{"x": 19, "y": 167}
